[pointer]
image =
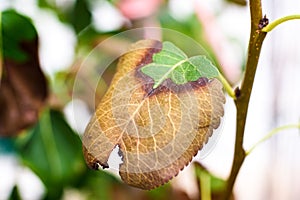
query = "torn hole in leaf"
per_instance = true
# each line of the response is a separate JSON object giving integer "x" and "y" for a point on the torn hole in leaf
{"x": 157, "y": 143}
{"x": 115, "y": 159}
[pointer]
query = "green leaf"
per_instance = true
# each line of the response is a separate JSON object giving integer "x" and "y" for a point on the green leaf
{"x": 81, "y": 9}
{"x": 209, "y": 184}
{"x": 162, "y": 192}
{"x": 99, "y": 185}
{"x": 172, "y": 63}
{"x": 15, "y": 194}
{"x": 7, "y": 145}
{"x": 16, "y": 30}
{"x": 53, "y": 151}
{"x": 23, "y": 88}
{"x": 238, "y": 2}
{"x": 1, "y": 47}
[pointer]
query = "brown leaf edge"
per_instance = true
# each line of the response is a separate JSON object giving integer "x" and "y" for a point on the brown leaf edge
{"x": 146, "y": 58}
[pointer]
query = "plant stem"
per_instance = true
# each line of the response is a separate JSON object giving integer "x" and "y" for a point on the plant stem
{"x": 227, "y": 86}
{"x": 275, "y": 23}
{"x": 205, "y": 184}
{"x": 271, "y": 133}
{"x": 242, "y": 102}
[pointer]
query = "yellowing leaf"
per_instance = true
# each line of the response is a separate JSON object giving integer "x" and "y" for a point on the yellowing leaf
{"x": 157, "y": 130}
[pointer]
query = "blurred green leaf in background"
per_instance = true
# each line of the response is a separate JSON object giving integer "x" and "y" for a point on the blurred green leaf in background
{"x": 23, "y": 89}
{"x": 53, "y": 151}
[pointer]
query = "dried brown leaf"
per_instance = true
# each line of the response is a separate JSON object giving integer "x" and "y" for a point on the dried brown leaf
{"x": 1, "y": 63}
{"x": 23, "y": 90}
{"x": 158, "y": 131}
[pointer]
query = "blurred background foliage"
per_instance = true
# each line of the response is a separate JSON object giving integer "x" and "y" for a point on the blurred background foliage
{"x": 33, "y": 128}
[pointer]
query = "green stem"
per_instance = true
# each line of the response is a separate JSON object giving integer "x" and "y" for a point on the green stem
{"x": 227, "y": 86}
{"x": 275, "y": 23}
{"x": 271, "y": 133}
{"x": 205, "y": 184}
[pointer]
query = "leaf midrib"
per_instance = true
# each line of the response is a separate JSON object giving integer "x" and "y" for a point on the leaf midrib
{"x": 165, "y": 76}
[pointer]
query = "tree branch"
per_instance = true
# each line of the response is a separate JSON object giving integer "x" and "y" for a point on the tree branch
{"x": 243, "y": 94}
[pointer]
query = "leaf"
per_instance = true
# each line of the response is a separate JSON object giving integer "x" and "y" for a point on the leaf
{"x": 81, "y": 9}
{"x": 16, "y": 29}
{"x": 23, "y": 87}
{"x": 238, "y": 2}
{"x": 1, "y": 47}
{"x": 193, "y": 28}
{"x": 15, "y": 194}
{"x": 52, "y": 150}
{"x": 158, "y": 132}
{"x": 209, "y": 182}
{"x": 172, "y": 63}
{"x": 6, "y": 145}
{"x": 100, "y": 185}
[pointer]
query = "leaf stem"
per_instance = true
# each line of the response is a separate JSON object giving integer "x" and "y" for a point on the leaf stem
{"x": 275, "y": 23}
{"x": 227, "y": 86}
{"x": 205, "y": 186}
{"x": 272, "y": 133}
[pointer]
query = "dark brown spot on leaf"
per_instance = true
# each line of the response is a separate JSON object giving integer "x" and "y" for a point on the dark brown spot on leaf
{"x": 167, "y": 85}
{"x": 157, "y": 136}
